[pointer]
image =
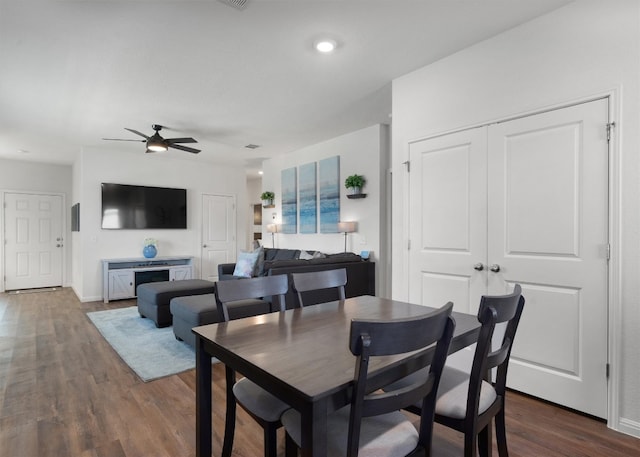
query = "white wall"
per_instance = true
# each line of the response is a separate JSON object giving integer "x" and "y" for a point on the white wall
{"x": 364, "y": 152}
{"x": 17, "y": 175}
{"x": 162, "y": 170}
{"x": 584, "y": 49}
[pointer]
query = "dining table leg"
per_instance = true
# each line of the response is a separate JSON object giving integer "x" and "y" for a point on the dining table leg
{"x": 314, "y": 429}
{"x": 203, "y": 400}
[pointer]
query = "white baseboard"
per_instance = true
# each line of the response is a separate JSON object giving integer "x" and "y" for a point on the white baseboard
{"x": 629, "y": 427}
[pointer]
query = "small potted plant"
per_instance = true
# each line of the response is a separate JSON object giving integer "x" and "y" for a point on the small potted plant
{"x": 267, "y": 198}
{"x": 355, "y": 183}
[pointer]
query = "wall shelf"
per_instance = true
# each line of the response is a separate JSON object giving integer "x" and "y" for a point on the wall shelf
{"x": 268, "y": 206}
{"x": 357, "y": 196}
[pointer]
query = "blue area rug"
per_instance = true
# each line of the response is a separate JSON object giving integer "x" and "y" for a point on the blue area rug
{"x": 151, "y": 352}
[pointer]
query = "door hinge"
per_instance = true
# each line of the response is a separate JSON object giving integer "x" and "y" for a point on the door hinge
{"x": 408, "y": 164}
{"x": 408, "y": 245}
{"x": 608, "y": 370}
{"x": 608, "y": 252}
{"x": 610, "y": 127}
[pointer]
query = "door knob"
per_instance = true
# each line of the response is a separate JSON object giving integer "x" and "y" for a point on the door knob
{"x": 478, "y": 266}
{"x": 495, "y": 268}
{"x": 204, "y": 245}
{"x": 58, "y": 245}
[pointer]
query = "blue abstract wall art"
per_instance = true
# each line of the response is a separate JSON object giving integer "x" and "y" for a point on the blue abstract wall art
{"x": 289, "y": 201}
{"x": 329, "y": 176}
{"x": 308, "y": 199}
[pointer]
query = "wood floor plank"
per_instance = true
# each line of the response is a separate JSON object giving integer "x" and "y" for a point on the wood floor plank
{"x": 65, "y": 392}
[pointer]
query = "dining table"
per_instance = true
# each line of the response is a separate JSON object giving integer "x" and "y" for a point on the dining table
{"x": 302, "y": 357}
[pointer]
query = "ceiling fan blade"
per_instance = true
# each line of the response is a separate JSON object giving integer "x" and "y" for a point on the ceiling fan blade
{"x": 122, "y": 139}
{"x": 184, "y": 148}
{"x": 180, "y": 140}
{"x": 137, "y": 133}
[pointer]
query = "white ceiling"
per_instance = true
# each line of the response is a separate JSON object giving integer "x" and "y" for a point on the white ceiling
{"x": 74, "y": 72}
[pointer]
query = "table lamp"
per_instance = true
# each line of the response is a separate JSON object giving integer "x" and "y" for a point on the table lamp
{"x": 346, "y": 227}
{"x": 273, "y": 229}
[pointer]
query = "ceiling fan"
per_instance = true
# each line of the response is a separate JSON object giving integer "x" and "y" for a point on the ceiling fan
{"x": 155, "y": 143}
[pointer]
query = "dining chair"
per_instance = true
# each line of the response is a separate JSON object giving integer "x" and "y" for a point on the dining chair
{"x": 372, "y": 424}
{"x": 467, "y": 400}
{"x": 317, "y": 280}
{"x": 263, "y": 407}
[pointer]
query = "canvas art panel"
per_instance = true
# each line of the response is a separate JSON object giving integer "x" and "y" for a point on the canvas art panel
{"x": 308, "y": 198}
{"x": 329, "y": 177}
{"x": 289, "y": 201}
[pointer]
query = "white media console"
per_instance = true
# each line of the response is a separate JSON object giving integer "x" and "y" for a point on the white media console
{"x": 120, "y": 277}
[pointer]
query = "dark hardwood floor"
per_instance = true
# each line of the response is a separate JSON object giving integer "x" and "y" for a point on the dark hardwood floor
{"x": 65, "y": 392}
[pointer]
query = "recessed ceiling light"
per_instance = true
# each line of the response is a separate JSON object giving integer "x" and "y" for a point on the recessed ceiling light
{"x": 252, "y": 146}
{"x": 260, "y": 172}
{"x": 325, "y": 46}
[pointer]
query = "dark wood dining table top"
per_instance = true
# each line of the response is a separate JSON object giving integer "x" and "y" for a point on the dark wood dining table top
{"x": 302, "y": 355}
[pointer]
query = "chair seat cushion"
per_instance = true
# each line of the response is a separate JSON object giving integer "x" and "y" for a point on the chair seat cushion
{"x": 257, "y": 400}
{"x": 452, "y": 394}
{"x": 452, "y": 391}
{"x": 380, "y": 436}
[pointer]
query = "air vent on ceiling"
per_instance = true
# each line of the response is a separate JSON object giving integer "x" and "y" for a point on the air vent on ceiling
{"x": 252, "y": 146}
{"x": 237, "y": 4}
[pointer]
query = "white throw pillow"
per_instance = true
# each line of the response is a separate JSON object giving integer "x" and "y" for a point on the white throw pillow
{"x": 304, "y": 255}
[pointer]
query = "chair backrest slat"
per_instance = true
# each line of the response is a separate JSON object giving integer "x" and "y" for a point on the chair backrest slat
{"x": 243, "y": 289}
{"x": 317, "y": 280}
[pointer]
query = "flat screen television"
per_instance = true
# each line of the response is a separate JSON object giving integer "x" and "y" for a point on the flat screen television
{"x": 126, "y": 206}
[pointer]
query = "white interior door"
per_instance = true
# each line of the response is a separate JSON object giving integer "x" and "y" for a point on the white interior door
{"x": 33, "y": 240}
{"x": 545, "y": 195}
{"x": 548, "y": 219}
{"x": 448, "y": 230}
{"x": 218, "y": 233}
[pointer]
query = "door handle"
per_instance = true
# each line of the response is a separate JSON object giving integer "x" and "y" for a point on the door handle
{"x": 58, "y": 245}
{"x": 204, "y": 245}
{"x": 478, "y": 266}
{"x": 495, "y": 268}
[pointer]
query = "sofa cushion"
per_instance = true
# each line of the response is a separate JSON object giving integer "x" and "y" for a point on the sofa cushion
{"x": 202, "y": 309}
{"x": 281, "y": 254}
{"x": 162, "y": 292}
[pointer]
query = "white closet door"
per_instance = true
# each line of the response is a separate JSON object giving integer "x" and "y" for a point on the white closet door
{"x": 448, "y": 229}
{"x": 548, "y": 207}
{"x": 528, "y": 197}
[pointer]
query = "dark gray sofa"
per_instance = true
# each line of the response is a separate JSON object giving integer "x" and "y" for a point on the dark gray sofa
{"x": 360, "y": 273}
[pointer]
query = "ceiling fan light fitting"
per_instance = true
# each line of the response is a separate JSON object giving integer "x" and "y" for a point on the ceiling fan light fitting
{"x": 156, "y": 147}
{"x": 326, "y": 46}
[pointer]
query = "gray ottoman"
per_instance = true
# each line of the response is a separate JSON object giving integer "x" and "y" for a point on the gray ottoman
{"x": 189, "y": 312}
{"x": 154, "y": 297}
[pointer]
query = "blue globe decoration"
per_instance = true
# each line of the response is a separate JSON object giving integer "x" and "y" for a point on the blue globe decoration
{"x": 149, "y": 251}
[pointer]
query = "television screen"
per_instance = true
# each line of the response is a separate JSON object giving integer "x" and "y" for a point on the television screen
{"x": 140, "y": 207}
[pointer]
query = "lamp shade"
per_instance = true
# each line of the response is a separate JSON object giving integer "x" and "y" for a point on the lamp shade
{"x": 272, "y": 228}
{"x": 347, "y": 227}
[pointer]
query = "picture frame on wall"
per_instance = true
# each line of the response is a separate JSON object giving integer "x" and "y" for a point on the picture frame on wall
{"x": 308, "y": 198}
{"x": 329, "y": 185}
{"x": 289, "y": 200}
